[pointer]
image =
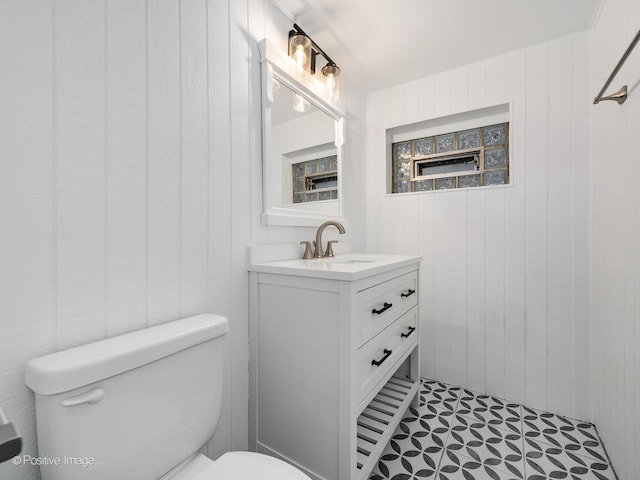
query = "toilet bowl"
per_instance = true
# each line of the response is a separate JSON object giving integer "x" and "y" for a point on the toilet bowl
{"x": 141, "y": 405}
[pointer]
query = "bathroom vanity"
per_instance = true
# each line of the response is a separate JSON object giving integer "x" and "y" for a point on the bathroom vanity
{"x": 333, "y": 359}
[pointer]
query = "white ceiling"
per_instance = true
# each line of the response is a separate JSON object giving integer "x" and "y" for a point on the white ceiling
{"x": 379, "y": 43}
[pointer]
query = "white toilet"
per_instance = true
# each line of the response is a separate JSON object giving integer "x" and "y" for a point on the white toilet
{"x": 140, "y": 406}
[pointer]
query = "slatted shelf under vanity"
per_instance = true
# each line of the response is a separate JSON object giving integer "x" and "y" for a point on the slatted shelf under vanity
{"x": 380, "y": 419}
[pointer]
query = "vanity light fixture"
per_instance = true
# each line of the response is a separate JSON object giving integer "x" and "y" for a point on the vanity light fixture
{"x": 303, "y": 50}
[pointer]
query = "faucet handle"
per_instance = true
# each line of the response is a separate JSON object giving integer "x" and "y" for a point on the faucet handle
{"x": 307, "y": 250}
{"x": 329, "y": 252}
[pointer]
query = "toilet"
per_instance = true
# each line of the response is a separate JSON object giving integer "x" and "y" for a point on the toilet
{"x": 140, "y": 406}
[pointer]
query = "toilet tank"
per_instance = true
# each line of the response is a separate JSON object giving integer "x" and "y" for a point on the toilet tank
{"x": 132, "y": 406}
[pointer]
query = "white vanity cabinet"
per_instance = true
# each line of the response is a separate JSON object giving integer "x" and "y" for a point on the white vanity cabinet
{"x": 334, "y": 360}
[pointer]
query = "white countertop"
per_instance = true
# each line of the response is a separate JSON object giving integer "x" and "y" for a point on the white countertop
{"x": 352, "y": 266}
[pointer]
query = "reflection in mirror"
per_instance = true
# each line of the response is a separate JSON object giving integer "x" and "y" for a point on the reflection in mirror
{"x": 302, "y": 146}
{"x": 303, "y": 141}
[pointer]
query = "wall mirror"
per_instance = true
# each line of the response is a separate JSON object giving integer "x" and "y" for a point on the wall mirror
{"x": 302, "y": 137}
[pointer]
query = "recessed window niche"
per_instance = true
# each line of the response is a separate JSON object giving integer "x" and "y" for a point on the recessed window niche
{"x": 465, "y": 150}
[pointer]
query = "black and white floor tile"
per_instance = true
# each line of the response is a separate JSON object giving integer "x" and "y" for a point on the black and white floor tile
{"x": 457, "y": 434}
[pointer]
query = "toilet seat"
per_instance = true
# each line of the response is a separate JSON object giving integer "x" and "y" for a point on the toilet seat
{"x": 250, "y": 466}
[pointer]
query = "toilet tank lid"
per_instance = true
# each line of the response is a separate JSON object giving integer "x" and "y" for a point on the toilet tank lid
{"x": 69, "y": 369}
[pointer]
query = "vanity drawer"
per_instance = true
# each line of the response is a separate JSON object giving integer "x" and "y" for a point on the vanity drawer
{"x": 380, "y": 305}
{"x": 376, "y": 358}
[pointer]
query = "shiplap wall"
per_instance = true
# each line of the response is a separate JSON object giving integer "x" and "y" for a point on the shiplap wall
{"x": 129, "y": 145}
{"x": 504, "y": 285}
{"x": 616, "y": 279}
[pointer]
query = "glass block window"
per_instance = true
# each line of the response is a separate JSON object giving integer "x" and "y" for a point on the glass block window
{"x": 464, "y": 159}
{"x": 315, "y": 180}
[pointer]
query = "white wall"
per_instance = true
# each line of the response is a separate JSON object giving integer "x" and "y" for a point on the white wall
{"x": 130, "y": 183}
{"x": 504, "y": 281}
{"x": 616, "y": 279}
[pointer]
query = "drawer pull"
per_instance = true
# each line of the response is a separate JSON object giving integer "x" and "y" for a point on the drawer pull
{"x": 386, "y": 307}
{"x": 406, "y": 335}
{"x": 408, "y": 294}
{"x": 377, "y": 363}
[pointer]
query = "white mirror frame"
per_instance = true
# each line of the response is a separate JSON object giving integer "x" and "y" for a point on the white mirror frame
{"x": 276, "y": 65}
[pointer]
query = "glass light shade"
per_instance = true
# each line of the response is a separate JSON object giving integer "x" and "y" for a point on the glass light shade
{"x": 331, "y": 72}
{"x": 300, "y": 104}
{"x": 300, "y": 51}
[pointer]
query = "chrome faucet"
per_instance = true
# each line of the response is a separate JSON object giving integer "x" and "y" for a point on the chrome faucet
{"x": 317, "y": 253}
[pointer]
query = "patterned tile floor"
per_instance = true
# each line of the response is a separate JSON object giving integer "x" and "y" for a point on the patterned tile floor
{"x": 457, "y": 434}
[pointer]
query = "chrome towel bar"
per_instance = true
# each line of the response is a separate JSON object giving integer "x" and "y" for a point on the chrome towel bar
{"x": 10, "y": 441}
{"x": 621, "y": 95}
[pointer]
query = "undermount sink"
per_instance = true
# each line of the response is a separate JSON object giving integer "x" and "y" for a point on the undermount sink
{"x": 350, "y": 266}
{"x": 351, "y": 259}
{"x": 356, "y": 261}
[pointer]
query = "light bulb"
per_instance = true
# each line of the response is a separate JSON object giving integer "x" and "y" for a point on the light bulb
{"x": 299, "y": 56}
{"x": 331, "y": 85}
